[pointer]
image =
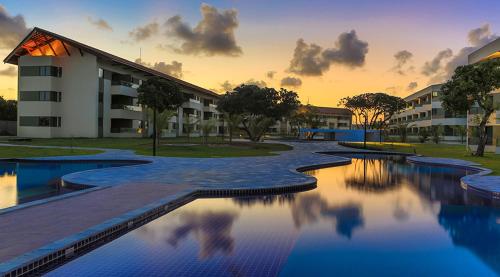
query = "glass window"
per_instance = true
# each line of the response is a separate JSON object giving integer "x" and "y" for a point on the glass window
{"x": 53, "y": 96}
{"x": 28, "y": 71}
{"x": 40, "y": 121}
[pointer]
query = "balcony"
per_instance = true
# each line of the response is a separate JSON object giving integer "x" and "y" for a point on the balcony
{"x": 123, "y": 88}
{"x": 210, "y": 108}
{"x": 126, "y": 111}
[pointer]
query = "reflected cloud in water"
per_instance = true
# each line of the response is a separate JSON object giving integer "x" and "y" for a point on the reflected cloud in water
{"x": 212, "y": 230}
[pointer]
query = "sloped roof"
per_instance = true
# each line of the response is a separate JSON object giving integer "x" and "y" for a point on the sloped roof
{"x": 332, "y": 111}
{"x": 40, "y": 36}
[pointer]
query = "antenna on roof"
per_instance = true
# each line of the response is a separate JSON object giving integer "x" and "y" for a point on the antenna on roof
{"x": 140, "y": 54}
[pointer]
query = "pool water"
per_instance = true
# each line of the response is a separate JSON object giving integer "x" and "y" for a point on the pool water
{"x": 22, "y": 182}
{"x": 376, "y": 216}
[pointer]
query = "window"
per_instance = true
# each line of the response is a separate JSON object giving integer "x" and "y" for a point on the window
{"x": 28, "y": 71}
{"x": 100, "y": 73}
{"x": 40, "y": 121}
{"x": 53, "y": 96}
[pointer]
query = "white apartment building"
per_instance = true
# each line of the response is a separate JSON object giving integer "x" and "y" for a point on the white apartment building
{"x": 332, "y": 118}
{"x": 423, "y": 110}
{"x": 489, "y": 51}
{"x": 69, "y": 89}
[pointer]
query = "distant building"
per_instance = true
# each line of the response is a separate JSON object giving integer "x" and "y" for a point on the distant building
{"x": 489, "y": 51}
{"x": 423, "y": 110}
{"x": 69, "y": 89}
{"x": 332, "y": 118}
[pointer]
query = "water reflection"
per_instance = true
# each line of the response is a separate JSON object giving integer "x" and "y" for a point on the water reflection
{"x": 376, "y": 216}
{"x": 28, "y": 181}
{"x": 211, "y": 229}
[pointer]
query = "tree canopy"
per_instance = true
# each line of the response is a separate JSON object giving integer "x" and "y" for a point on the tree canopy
{"x": 259, "y": 108}
{"x": 471, "y": 85}
{"x": 373, "y": 108}
{"x": 160, "y": 94}
{"x": 8, "y": 109}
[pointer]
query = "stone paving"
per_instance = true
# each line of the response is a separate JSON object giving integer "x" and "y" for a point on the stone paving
{"x": 131, "y": 189}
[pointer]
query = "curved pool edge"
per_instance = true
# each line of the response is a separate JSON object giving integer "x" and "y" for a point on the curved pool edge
{"x": 480, "y": 183}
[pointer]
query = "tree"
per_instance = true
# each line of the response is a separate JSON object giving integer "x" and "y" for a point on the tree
{"x": 372, "y": 109}
{"x": 189, "y": 124}
{"x": 162, "y": 119}
{"x": 8, "y": 109}
{"x": 159, "y": 95}
{"x": 471, "y": 85}
{"x": 436, "y": 133}
{"x": 307, "y": 116}
{"x": 403, "y": 131}
{"x": 259, "y": 108}
{"x": 423, "y": 135}
{"x": 461, "y": 130}
{"x": 233, "y": 122}
{"x": 207, "y": 126}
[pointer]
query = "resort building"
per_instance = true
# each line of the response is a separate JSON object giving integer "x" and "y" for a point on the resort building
{"x": 331, "y": 118}
{"x": 69, "y": 89}
{"x": 423, "y": 110}
{"x": 489, "y": 51}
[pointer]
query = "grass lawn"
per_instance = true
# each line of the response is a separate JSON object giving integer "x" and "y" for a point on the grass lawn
{"x": 490, "y": 160}
{"x": 172, "y": 147}
{"x": 28, "y": 152}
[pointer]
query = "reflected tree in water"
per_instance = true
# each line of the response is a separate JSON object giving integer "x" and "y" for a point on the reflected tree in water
{"x": 266, "y": 200}
{"x": 372, "y": 175}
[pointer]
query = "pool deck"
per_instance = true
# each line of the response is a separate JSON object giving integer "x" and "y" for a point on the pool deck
{"x": 124, "y": 193}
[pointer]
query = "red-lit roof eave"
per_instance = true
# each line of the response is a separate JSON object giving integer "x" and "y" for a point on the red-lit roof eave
{"x": 99, "y": 53}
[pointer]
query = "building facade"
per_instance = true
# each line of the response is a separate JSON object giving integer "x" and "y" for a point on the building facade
{"x": 489, "y": 51}
{"x": 331, "y": 118}
{"x": 423, "y": 110}
{"x": 69, "y": 89}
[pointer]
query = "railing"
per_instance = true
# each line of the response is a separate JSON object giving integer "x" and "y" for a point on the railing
{"x": 124, "y": 83}
{"x": 126, "y": 130}
{"x": 126, "y": 107}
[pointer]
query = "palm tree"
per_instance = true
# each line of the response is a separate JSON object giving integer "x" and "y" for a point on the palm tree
{"x": 233, "y": 123}
{"x": 162, "y": 120}
{"x": 207, "y": 126}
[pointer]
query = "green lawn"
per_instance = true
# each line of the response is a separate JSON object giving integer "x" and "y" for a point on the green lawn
{"x": 172, "y": 147}
{"x": 28, "y": 152}
{"x": 490, "y": 160}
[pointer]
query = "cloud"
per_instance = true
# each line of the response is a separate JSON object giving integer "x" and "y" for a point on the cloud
{"x": 433, "y": 66}
{"x": 402, "y": 58}
{"x": 312, "y": 60}
{"x": 270, "y": 74}
{"x": 100, "y": 23}
{"x": 10, "y": 71}
{"x": 411, "y": 86}
{"x": 144, "y": 32}
{"x": 12, "y": 29}
{"x": 174, "y": 69}
{"x": 291, "y": 82}
{"x": 256, "y": 83}
{"x": 477, "y": 38}
{"x": 213, "y": 35}
{"x": 228, "y": 86}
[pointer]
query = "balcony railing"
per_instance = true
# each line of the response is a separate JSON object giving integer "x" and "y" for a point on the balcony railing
{"x": 133, "y": 108}
{"x": 126, "y": 130}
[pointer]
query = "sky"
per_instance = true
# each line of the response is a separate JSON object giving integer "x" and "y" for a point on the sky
{"x": 323, "y": 50}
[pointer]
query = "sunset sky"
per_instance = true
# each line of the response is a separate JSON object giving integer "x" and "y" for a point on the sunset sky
{"x": 324, "y": 50}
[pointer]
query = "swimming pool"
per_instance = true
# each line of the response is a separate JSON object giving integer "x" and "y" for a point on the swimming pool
{"x": 25, "y": 181}
{"x": 376, "y": 216}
